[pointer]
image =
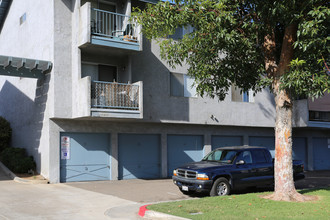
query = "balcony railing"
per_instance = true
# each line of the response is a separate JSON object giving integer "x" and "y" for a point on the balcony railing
{"x": 113, "y": 26}
{"x": 107, "y": 95}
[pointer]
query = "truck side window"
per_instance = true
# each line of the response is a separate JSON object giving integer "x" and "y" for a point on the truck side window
{"x": 246, "y": 156}
{"x": 259, "y": 156}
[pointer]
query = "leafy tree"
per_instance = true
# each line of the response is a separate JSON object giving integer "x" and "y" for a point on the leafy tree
{"x": 253, "y": 44}
{"x": 5, "y": 134}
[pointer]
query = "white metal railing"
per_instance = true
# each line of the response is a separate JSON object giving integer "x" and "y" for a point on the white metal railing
{"x": 109, "y": 95}
{"x": 113, "y": 25}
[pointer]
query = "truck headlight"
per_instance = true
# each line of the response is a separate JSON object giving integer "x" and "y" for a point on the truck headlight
{"x": 174, "y": 172}
{"x": 202, "y": 176}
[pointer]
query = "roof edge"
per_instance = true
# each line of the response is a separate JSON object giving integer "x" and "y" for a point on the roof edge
{"x": 6, "y": 8}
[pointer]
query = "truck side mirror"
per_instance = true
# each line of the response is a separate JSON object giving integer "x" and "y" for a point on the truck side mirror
{"x": 240, "y": 162}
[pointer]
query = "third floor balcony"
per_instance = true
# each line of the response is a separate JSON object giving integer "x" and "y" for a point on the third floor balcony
{"x": 99, "y": 27}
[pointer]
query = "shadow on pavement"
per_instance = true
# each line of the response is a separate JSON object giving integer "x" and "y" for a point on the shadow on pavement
{"x": 3, "y": 176}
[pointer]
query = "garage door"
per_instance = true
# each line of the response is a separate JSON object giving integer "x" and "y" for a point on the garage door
{"x": 139, "y": 156}
{"x": 223, "y": 141}
{"x": 321, "y": 154}
{"x": 183, "y": 149}
{"x": 299, "y": 149}
{"x": 84, "y": 157}
{"x": 268, "y": 142}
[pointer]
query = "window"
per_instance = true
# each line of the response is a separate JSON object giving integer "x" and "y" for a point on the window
{"x": 182, "y": 85}
{"x": 222, "y": 156}
{"x": 99, "y": 72}
{"x": 259, "y": 156}
{"x": 22, "y": 19}
{"x": 246, "y": 156}
{"x": 181, "y": 31}
{"x": 237, "y": 95}
{"x": 319, "y": 116}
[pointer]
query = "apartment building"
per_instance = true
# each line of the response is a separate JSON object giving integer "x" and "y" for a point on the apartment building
{"x": 90, "y": 98}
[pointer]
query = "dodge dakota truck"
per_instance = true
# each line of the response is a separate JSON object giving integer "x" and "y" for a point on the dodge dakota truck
{"x": 228, "y": 168}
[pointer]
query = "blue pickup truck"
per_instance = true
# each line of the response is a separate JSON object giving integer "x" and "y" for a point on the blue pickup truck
{"x": 228, "y": 168}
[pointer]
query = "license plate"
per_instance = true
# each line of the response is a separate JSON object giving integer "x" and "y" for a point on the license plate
{"x": 185, "y": 188}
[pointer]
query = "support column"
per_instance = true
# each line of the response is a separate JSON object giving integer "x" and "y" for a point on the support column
{"x": 207, "y": 144}
{"x": 163, "y": 143}
{"x": 246, "y": 139}
{"x": 310, "y": 152}
{"x": 114, "y": 156}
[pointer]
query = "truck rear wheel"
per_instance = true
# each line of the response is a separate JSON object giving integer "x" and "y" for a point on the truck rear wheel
{"x": 221, "y": 187}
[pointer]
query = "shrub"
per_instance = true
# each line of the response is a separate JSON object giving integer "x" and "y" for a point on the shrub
{"x": 17, "y": 160}
{"x": 5, "y": 134}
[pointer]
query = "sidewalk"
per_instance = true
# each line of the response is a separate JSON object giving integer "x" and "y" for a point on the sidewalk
{"x": 59, "y": 201}
{"x": 26, "y": 200}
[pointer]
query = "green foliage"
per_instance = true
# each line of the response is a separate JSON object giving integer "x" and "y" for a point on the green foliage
{"x": 248, "y": 206}
{"x": 302, "y": 83}
{"x": 227, "y": 42}
{"x": 5, "y": 134}
{"x": 16, "y": 160}
{"x": 309, "y": 74}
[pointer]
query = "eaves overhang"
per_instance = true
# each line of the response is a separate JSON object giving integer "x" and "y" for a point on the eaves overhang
{"x": 4, "y": 8}
{"x": 22, "y": 67}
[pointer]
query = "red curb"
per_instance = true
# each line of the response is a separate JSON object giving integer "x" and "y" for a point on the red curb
{"x": 143, "y": 210}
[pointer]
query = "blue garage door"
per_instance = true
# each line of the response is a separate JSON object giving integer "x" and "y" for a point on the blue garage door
{"x": 223, "y": 141}
{"x": 321, "y": 154}
{"x": 268, "y": 142}
{"x": 84, "y": 157}
{"x": 299, "y": 149}
{"x": 183, "y": 149}
{"x": 139, "y": 156}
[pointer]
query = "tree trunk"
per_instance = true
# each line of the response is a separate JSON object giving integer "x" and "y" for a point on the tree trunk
{"x": 283, "y": 172}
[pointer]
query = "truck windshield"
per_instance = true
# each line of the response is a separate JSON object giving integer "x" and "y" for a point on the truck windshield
{"x": 222, "y": 156}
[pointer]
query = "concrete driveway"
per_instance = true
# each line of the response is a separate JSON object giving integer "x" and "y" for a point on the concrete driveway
{"x": 60, "y": 201}
{"x": 137, "y": 190}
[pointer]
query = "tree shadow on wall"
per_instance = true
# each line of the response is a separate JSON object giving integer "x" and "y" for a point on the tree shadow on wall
{"x": 26, "y": 115}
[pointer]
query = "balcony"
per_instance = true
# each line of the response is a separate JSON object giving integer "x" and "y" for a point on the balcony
{"x": 117, "y": 100}
{"x": 108, "y": 29}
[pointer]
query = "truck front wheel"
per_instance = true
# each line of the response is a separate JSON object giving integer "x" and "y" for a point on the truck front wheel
{"x": 220, "y": 187}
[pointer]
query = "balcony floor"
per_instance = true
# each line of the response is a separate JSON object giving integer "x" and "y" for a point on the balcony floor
{"x": 115, "y": 42}
{"x": 113, "y": 113}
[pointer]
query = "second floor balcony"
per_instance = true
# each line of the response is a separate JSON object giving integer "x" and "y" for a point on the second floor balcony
{"x": 108, "y": 29}
{"x": 120, "y": 96}
{"x": 108, "y": 99}
{"x": 119, "y": 100}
